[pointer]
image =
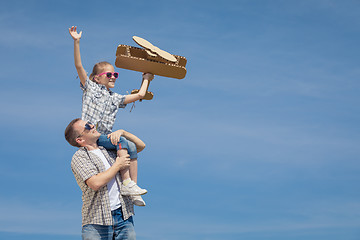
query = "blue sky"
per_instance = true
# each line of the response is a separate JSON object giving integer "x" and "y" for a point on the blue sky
{"x": 259, "y": 141}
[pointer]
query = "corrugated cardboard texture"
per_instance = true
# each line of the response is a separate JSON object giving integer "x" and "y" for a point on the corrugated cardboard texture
{"x": 137, "y": 59}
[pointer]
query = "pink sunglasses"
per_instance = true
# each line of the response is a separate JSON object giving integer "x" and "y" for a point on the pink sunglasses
{"x": 110, "y": 74}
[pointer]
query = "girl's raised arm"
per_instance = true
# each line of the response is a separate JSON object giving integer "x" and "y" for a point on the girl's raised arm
{"x": 77, "y": 57}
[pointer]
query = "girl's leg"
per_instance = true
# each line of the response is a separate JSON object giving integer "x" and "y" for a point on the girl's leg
{"x": 133, "y": 160}
{"x": 128, "y": 186}
{"x": 121, "y": 151}
{"x": 125, "y": 173}
{"x": 106, "y": 142}
{"x": 137, "y": 200}
{"x": 128, "y": 175}
{"x": 133, "y": 169}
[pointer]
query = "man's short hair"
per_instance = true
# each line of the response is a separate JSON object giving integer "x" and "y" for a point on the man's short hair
{"x": 71, "y": 134}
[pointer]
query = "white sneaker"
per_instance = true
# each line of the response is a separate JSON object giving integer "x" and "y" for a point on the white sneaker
{"x": 132, "y": 189}
{"x": 138, "y": 201}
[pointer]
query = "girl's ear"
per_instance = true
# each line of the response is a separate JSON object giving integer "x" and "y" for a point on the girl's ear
{"x": 96, "y": 79}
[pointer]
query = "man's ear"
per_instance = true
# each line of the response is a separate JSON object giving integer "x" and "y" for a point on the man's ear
{"x": 79, "y": 140}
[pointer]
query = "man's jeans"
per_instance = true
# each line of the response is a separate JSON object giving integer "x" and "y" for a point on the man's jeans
{"x": 121, "y": 230}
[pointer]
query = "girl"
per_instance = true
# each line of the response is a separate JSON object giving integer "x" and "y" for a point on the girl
{"x": 100, "y": 106}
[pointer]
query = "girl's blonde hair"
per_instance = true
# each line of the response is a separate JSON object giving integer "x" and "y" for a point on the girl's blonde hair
{"x": 98, "y": 67}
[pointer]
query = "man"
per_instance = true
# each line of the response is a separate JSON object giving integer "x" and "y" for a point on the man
{"x": 106, "y": 214}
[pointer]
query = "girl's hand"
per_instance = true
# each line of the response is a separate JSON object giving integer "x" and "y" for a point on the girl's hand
{"x": 115, "y": 136}
{"x": 74, "y": 34}
{"x": 148, "y": 76}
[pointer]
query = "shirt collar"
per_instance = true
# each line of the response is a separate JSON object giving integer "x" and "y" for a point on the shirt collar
{"x": 104, "y": 88}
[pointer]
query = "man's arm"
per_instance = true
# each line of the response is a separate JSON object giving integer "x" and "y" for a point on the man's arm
{"x": 115, "y": 137}
{"x": 77, "y": 57}
{"x": 97, "y": 181}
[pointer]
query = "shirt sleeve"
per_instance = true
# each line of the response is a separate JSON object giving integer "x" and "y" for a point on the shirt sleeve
{"x": 88, "y": 84}
{"x": 83, "y": 167}
{"x": 118, "y": 100}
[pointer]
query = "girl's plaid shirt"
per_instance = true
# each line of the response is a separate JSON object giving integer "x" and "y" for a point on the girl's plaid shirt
{"x": 100, "y": 106}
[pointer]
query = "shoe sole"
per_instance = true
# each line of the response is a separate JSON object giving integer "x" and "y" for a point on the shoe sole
{"x": 132, "y": 194}
{"x": 139, "y": 203}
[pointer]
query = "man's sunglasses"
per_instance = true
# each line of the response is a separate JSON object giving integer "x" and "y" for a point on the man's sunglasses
{"x": 110, "y": 74}
{"x": 88, "y": 126}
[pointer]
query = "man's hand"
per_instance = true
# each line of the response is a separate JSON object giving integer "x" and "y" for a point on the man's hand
{"x": 115, "y": 136}
{"x": 74, "y": 34}
{"x": 124, "y": 161}
{"x": 101, "y": 179}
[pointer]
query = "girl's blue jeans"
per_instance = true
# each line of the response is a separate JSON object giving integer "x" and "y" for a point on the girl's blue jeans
{"x": 123, "y": 143}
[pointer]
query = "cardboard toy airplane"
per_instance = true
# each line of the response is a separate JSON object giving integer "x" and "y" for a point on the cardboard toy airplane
{"x": 150, "y": 59}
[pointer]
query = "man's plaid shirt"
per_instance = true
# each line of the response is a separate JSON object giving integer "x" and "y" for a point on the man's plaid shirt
{"x": 96, "y": 204}
{"x": 100, "y": 106}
